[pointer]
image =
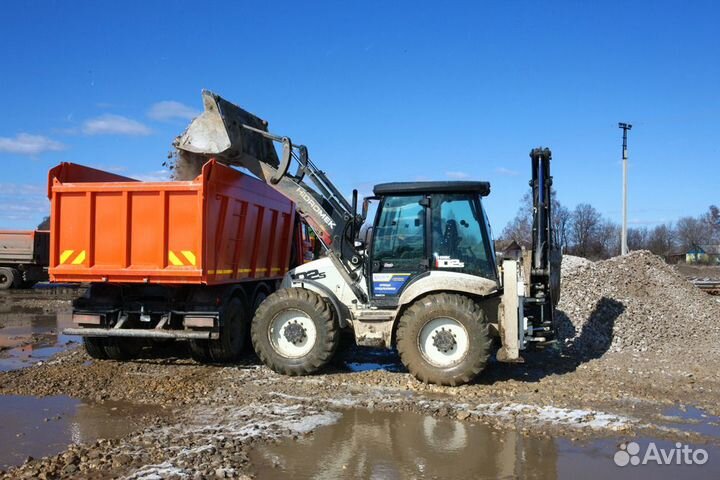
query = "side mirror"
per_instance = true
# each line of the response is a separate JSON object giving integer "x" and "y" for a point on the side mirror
{"x": 365, "y": 237}
{"x": 366, "y": 206}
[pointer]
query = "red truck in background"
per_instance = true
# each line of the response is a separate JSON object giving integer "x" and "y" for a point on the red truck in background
{"x": 24, "y": 257}
{"x": 180, "y": 260}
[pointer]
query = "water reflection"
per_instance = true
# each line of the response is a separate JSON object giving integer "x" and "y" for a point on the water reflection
{"x": 29, "y": 338}
{"x": 366, "y": 444}
{"x": 32, "y": 426}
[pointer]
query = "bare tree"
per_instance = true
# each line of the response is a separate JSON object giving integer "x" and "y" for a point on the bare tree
{"x": 606, "y": 242}
{"x": 583, "y": 228}
{"x": 692, "y": 231}
{"x": 712, "y": 218}
{"x": 520, "y": 227}
{"x": 637, "y": 238}
{"x": 661, "y": 240}
{"x": 561, "y": 224}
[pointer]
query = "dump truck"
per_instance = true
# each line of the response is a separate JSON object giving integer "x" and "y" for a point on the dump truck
{"x": 423, "y": 279}
{"x": 176, "y": 260}
{"x": 24, "y": 257}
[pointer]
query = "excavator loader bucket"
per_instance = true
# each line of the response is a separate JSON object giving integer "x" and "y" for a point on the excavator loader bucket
{"x": 221, "y": 132}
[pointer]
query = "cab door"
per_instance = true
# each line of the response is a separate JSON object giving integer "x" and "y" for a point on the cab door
{"x": 399, "y": 246}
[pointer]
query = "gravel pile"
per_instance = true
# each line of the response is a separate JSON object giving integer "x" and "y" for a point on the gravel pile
{"x": 637, "y": 303}
{"x": 571, "y": 262}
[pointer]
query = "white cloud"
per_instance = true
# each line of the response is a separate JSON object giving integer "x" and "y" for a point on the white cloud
{"x": 24, "y": 205}
{"x": 506, "y": 171}
{"x": 109, "y": 124}
{"x": 161, "y": 175}
{"x": 26, "y": 144}
{"x": 170, "y": 109}
{"x": 457, "y": 175}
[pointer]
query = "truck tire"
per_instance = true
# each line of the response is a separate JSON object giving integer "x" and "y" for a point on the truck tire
{"x": 122, "y": 349}
{"x": 95, "y": 347}
{"x": 200, "y": 351}
{"x": 9, "y": 278}
{"x": 444, "y": 339}
{"x": 294, "y": 332}
{"x": 233, "y": 333}
{"x": 233, "y": 337}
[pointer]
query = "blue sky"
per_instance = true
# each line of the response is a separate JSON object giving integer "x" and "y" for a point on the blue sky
{"x": 379, "y": 91}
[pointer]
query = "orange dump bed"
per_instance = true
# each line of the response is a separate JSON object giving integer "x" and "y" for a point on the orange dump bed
{"x": 222, "y": 227}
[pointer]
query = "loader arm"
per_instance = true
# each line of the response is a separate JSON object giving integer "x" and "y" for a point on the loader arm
{"x": 233, "y": 136}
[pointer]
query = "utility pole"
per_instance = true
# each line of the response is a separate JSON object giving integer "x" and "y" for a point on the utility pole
{"x": 624, "y": 247}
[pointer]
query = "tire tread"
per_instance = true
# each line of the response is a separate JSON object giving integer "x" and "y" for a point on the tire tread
{"x": 412, "y": 358}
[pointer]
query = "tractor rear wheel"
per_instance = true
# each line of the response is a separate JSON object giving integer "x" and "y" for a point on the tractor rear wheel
{"x": 294, "y": 332}
{"x": 444, "y": 339}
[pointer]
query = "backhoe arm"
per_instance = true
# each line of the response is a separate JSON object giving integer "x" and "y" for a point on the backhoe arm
{"x": 233, "y": 136}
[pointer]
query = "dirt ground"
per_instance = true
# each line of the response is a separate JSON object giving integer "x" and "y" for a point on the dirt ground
{"x": 218, "y": 413}
{"x": 702, "y": 271}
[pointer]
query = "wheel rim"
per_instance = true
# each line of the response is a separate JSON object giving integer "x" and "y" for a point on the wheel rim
{"x": 292, "y": 333}
{"x": 443, "y": 342}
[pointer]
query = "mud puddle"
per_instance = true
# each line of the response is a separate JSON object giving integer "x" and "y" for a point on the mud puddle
{"x": 399, "y": 445}
{"x": 27, "y": 338}
{"x": 692, "y": 419}
{"x": 37, "y": 427}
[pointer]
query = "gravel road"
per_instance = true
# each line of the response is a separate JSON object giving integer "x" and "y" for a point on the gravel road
{"x": 601, "y": 388}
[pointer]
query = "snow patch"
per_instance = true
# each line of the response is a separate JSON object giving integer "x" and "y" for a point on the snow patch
{"x": 548, "y": 414}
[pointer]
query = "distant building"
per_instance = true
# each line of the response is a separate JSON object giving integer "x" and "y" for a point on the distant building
{"x": 676, "y": 257}
{"x": 705, "y": 254}
{"x": 507, "y": 249}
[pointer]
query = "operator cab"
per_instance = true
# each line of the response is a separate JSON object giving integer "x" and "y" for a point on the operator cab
{"x": 422, "y": 227}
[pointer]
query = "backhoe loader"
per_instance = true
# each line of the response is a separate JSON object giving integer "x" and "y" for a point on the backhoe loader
{"x": 423, "y": 279}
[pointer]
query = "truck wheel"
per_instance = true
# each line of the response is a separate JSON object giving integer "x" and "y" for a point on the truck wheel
{"x": 444, "y": 339}
{"x": 200, "y": 351}
{"x": 294, "y": 332}
{"x": 233, "y": 333}
{"x": 122, "y": 349}
{"x": 9, "y": 278}
{"x": 94, "y": 346}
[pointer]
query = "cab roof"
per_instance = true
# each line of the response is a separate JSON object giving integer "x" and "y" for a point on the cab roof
{"x": 406, "y": 188}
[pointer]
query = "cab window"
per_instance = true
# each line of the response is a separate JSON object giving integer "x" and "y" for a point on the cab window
{"x": 460, "y": 237}
{"x": 399, "y": 238}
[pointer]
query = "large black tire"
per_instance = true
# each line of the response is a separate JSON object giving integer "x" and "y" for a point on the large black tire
{"x": 316, "y": 311}
{"x": 9, "y": 278}
{"x": 200, "y": 351}
{"x": 464, "y": 312}
{"x": 233, "y": 336}
{"x": 95, "y": 347}
{"x": 122, "y": 349}
{"x": 233, "y": 333}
